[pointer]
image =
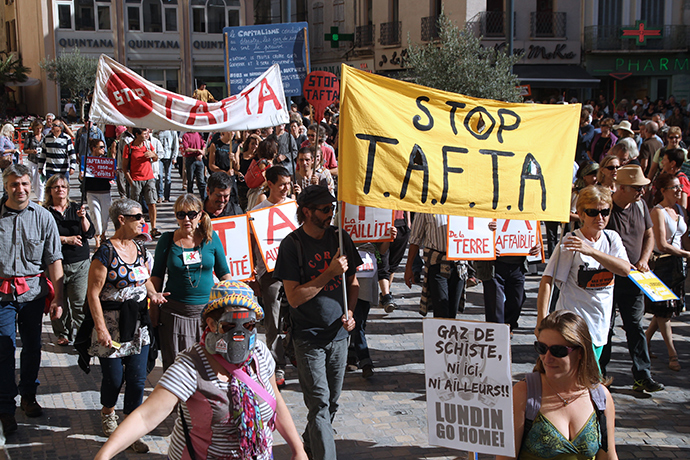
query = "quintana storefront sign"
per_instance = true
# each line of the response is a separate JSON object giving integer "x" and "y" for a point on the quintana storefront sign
{"x": 271, "y": 225}
{"x": 469, "y": 386}
{"x": 234, "y": 235}
{"x": 408, "y": 147}
{"x": 122, "y": 97}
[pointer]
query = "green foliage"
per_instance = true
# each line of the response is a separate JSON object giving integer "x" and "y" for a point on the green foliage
{"x": 11, "y": 69}
{"x": 74, "y": 72}
{"x": 458, "y": 63}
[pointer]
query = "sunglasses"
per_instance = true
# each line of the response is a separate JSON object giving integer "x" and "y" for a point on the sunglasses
{"x": 637, "y": 188}
{"x": 225, "y": 327}
{"x": 595, "y": 212}
{"x": 557, "y": 351}
{"x": 138, "y": 216}
{"x": 326, "y": 209}
{"x": 674, "y": 187}
{"x": 674, "y": 137}
{"x": 612, "y": 168}
{"x": 190, "y": 214}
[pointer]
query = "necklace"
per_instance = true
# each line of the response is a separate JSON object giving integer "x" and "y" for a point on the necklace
{"x": 566, "y": 401}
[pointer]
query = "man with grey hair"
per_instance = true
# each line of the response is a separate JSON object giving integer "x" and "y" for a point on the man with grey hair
{"x": 650, "y": 144}
{"x": 30, "y": 244}
{"x": 660, "y": 120}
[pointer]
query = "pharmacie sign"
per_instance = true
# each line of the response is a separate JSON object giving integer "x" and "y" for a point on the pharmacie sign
{"x": 640, "y": 64}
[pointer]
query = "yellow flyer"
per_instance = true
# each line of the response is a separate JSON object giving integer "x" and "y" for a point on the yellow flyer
{"x": 652, "y": 286}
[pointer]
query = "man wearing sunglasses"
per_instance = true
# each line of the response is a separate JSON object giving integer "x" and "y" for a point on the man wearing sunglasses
{"x": 311, "y": 266}
{"x": 630, "y": 218}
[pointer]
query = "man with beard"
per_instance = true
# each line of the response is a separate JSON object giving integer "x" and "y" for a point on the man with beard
{"x": 311, "y": 266}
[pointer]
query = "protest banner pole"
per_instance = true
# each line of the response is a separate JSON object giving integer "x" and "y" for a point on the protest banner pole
{"x": 555, "y": 267}
{"x": 340, "y": 244}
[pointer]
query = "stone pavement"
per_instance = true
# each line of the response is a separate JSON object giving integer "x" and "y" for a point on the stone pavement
{"x": 380, "y": 418}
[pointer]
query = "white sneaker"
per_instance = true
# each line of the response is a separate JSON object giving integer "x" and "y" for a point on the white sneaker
{"x": 139, "y": 447}
{"x": 109, "y": 423}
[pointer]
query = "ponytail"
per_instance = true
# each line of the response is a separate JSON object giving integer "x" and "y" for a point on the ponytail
{"x": 205, "y": 228}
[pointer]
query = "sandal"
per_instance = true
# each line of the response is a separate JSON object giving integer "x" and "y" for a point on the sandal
{"x": 64, "y": 341}
{"x": 673, "y": 363}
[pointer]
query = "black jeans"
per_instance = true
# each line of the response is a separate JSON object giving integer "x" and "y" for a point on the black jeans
{"x": 447, "y": 295}
{"x": 504, "y": 294}
{"x": 629, "y": 300}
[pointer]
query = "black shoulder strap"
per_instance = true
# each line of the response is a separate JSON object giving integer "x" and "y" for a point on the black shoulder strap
{"x": 533, "y": 401}
{"x": 187, "y": 437}
{"x": 598, "y": 396}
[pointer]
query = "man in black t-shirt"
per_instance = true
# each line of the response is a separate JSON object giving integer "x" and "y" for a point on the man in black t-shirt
{"x": 310, "y": 266}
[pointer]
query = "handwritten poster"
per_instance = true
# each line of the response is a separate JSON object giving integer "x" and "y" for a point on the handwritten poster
{"x": 234, "y": 235}
{"x": 652, "y": 286}
{"x": 469, "y": 386}
{"x": 516, "y": 237}
{"x": 365, "y": 224}
{"x": 469, "y": 238}
{"x": 98, "y": 167}
{"x": 270, "y": 226}
{"x": 498, "y": 157}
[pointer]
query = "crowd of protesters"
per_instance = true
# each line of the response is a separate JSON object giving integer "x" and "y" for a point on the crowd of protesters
{"x": 630, "y": 158}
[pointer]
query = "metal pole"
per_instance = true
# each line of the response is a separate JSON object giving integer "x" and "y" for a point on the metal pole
{"x": 510, "y": 24}
{"x": 340, "y": 243}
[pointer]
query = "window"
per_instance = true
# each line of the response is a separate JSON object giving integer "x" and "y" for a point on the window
{"x": 212, "y": 16}
{"x": 394, "y": 11}
{"x": 610, "y": 12}
{"x": 652, "y": 12}
{"x": 317, "y": 35}
{"x": 153, "y": 19}
{"x": 64, "y": 16}
{"x": 133, "y": 21}
{"x": 338, "y": 12}
{"x": 104, "y": 17}
{"x": 171, "y": 19}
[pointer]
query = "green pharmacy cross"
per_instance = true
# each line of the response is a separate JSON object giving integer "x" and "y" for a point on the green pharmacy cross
{"x": 335, "y": 38}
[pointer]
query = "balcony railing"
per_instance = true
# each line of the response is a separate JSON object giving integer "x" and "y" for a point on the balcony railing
{"x": 490, "y": 24}
{"x": 364, "y": 36}
{"x": 547, "y": 25}
{"x": 391, "y": 33}
{"x": 608, "y": 38}
{"x": 429, "y": 28}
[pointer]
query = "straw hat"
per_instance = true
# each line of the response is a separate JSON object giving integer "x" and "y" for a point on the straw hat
{"x": 631, "y": 175}
{"x": 625, "y": 126}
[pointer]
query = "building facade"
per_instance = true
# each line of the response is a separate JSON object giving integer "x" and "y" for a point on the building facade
{"x": 638, "y": 47}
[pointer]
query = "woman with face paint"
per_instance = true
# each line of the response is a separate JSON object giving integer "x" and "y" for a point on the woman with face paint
{"x": 225, "y": 384}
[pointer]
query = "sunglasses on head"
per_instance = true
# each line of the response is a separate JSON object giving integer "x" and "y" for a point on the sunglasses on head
{"x": 326, "y": 209}
{"x": 138, "y": 216}
{"x": 595, "y": 212}
{"x": 191, "y": 214}
{"x": 557, "y": 351}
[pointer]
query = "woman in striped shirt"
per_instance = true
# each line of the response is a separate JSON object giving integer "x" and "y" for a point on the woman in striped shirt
{"x": 222, "y": 413}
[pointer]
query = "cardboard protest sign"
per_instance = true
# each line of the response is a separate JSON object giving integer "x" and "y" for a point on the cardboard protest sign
{"x": 516, "y": 237}
{"x": 503, "y": 160}
{"x": 270, "y": 226}
{"x": 652, "y": 286}
{"x": 98, "y": 167}
{"x": 321, "y": 89}
{"x": 469, "y": 386}
{"x": 469, "y": 238}
{"x": 365, "y": 224}
{"x": 234, "y": 235}
{"x": 122, "y": 97}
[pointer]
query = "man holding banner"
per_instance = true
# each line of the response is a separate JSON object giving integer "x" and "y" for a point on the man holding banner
{"x": 444, "y": 280}
{"x": 311, "y": 267}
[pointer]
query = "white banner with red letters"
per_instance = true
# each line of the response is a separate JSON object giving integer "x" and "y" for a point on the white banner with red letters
{"x": 470, "y": 238}
{"x": 122, "y": 97}
{"x": 270, "y": 226}
{"x": 234, "y": 235}
{"x": 365, "y": 224}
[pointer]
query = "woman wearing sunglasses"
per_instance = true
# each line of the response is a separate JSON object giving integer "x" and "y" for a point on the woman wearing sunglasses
{"x": 223, "y": 387}
{"x": 190, "y": 254}
{"x": 608, "y": 170}
{"x": 584, "y": 265}
{"x": 118, "y": 287}
{"x": 564, "y": 401}
{"x": 668, "y": 261}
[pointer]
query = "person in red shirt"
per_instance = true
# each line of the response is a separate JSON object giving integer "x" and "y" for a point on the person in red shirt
{"x": 136, "y": 162}
{"x": 193, "y": 147}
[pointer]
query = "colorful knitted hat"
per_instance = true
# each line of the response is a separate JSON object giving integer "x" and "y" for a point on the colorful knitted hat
{"x": 232, "y": 293}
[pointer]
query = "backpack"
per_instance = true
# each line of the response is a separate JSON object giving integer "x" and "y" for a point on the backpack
{"x": 597, "y": 394}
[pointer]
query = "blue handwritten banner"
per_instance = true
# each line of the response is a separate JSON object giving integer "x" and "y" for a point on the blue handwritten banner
{"x": 250, "y": 50}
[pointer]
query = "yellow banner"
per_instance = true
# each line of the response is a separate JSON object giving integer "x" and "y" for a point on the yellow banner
{"x": 408, "y": 147}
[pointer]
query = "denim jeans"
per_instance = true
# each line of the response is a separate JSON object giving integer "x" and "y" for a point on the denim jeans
{"x": 130, "y": 370}
{"x": 359, "y": 350}
{"x": 446, "y": 294}
{"x": 165, "y": 178}
{"x": 27, "y": 315}
{"x": 321, "y": 370}
{"x": 195, "y": 171}
{"x": 629, "y": 300}
{"x": 75, "y": 281}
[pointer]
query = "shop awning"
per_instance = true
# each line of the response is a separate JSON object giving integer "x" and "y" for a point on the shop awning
{"x": 555, "y": 76}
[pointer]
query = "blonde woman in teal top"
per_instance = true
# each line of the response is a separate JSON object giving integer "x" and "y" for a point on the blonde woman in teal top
{"x": 567, "y": 425}
{"x": 191, "y": 254}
